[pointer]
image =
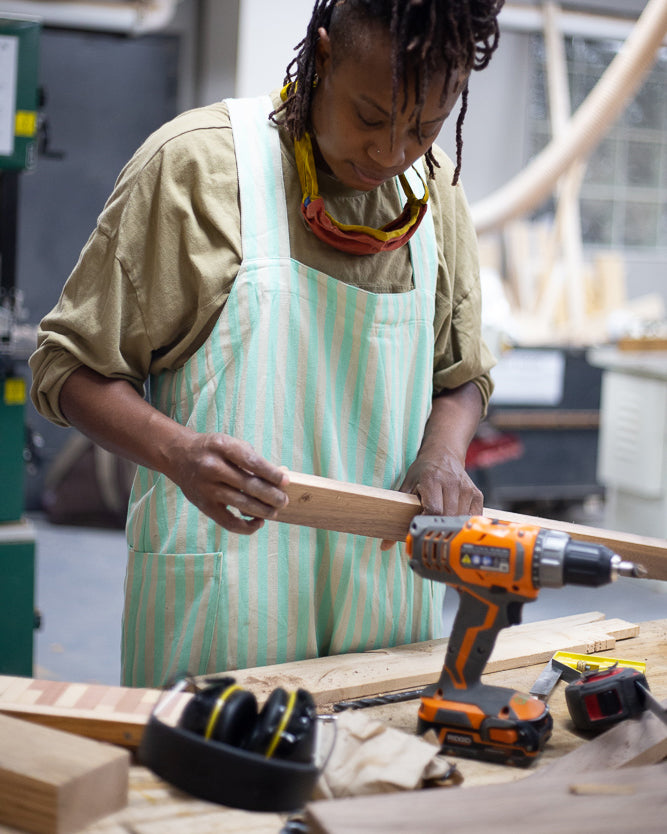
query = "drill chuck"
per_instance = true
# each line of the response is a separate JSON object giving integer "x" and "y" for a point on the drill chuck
{"x": 559, "y": 560}
{"x": 589, "y": 564}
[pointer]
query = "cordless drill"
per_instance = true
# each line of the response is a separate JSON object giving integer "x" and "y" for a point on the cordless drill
{"x": 495, "y": 566}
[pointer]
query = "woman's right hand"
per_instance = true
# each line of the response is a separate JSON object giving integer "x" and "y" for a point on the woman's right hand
{"x": 220, "y": 474}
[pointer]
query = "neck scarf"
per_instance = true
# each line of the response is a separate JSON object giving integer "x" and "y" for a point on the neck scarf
{"x": 358, "y": 240}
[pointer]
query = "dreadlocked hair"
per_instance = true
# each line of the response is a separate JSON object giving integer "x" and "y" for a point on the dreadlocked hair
{"x": 426, "y": 36}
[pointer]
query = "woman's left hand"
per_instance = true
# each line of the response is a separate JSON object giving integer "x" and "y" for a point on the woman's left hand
{"x": 438, "y": 476}
{"x": 443, "y": 487}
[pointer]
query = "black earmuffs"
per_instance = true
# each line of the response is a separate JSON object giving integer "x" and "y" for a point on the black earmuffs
{"x": 224, "y": 750}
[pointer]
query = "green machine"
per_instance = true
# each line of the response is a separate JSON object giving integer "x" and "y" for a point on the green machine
{"x": 19, "y": 93}
{"x": 17, "y": 598}
{"x": 19, "y": 97}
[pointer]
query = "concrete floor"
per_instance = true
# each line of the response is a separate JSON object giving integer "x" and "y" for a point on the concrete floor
{"x": 79, "y": 593}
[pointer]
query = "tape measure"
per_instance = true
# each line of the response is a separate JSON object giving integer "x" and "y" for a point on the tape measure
{"x": 602, "y": 698}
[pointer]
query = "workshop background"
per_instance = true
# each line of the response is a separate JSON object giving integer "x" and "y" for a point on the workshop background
{"x": 574, "y": 289}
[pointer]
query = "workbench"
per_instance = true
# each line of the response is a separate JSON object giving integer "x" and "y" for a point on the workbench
{"x": 155, "y": 808}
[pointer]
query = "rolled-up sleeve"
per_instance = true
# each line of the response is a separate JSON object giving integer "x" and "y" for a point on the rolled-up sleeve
{"x": 460, "y": 353}
{"x": 96, "y": 323}
{"x": 158, "y": 268}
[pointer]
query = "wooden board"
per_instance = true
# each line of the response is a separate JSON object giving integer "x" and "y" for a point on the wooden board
{"x": 53, "y": 782}
{"x": 386, "y": 514}
{"x": 118, "y": 714}
{"x": 332, "y": 679}
{"x": 348, "y": 508}
{"x": 647, "y": 551}
{"x": 547, "y": 419}
{"x": 646, "y": 343}
{"x": 598, "y": 802}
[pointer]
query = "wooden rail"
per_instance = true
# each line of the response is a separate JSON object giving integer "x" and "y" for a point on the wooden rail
{"x": 386, "y": 514}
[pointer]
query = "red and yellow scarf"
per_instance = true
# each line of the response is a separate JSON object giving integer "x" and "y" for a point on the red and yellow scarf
{"x": 358, "y": 240}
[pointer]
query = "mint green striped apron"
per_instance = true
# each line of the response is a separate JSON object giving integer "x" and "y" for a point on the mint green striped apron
{"x": 321, "y": 377}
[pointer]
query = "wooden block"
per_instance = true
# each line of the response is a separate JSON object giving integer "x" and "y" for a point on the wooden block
{"x": 52, "y": 782}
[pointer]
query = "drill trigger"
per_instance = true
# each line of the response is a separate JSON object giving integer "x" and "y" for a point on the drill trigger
{"x": 514, "y": 612}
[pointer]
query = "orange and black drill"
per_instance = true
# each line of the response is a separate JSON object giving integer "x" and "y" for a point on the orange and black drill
{"x": 495, "y": 566}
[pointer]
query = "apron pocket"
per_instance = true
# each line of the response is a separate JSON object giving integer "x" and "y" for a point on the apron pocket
{"x": 170, "y": 616}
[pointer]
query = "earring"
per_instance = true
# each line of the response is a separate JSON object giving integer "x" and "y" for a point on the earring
{"x": 316, "y": 80}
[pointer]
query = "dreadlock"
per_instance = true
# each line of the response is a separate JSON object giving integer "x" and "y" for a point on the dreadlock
{"x": 426, "y": 36}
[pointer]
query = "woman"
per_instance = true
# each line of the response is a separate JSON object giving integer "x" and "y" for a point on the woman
{"x": 298, "y": 278}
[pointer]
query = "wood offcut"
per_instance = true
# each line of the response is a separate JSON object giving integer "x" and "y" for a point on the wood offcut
{"x": 623, "y": 801}
{"x": 53, "y": 782}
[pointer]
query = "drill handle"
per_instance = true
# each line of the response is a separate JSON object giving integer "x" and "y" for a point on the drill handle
{"x": 476, "y": 625}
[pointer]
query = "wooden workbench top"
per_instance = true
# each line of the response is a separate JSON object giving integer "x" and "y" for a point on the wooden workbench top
{"x": 155, "y": 808}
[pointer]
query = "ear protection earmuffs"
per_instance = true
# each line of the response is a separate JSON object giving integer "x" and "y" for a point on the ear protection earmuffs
{"x": 227, "y": 713}
{"x": 224, "y": 750}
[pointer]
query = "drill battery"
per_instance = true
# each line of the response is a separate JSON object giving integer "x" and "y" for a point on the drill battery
{"x": 489, "y": 723}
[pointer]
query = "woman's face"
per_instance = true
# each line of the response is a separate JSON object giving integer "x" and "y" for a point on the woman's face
{"x": 351, "y": 113}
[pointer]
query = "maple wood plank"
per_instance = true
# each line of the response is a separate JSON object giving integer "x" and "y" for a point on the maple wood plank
{"x": 386, "y": 514}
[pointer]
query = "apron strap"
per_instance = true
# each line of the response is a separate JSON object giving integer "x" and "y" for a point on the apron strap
{"x": 423, "y": 246}
{"x": 264, "y": 226}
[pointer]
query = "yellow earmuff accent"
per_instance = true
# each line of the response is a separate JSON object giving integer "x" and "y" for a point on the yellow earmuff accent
{"x": 215, "y": 712}
{"x": 287, "y": 714}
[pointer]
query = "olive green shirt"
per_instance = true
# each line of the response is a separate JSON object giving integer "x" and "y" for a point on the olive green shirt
{"x": 155, "y": 273}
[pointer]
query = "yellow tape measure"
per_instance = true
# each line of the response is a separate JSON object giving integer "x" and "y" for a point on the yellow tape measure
{"x": 594, "y": 663}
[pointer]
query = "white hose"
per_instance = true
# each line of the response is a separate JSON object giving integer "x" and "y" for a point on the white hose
{"x": 584, "y": 130}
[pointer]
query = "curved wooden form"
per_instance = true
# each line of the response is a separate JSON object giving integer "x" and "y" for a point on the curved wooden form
{"x": 584, "y": 130}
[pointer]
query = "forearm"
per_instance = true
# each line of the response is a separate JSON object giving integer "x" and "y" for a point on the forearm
{"x": 215, "y": 471}
{"x": 116, "y": 417}
{"x": 454, "y": 418}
